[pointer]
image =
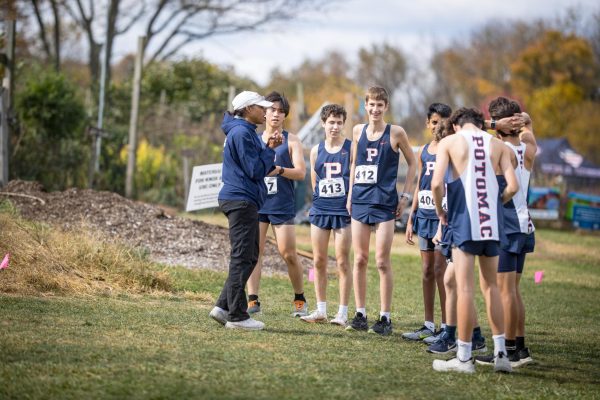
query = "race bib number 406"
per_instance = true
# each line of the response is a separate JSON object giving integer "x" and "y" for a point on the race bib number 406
{"x": 271, "y": 182}
{"x": 426, "y": 200}
{"x": 333, "y": 187}
{"x": 365, "y": 174}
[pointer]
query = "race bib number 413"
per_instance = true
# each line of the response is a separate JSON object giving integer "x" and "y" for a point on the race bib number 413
{"x": 365, "y": 174}
{"x": 333, "y": 187}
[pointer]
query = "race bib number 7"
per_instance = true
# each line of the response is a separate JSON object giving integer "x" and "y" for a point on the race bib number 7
{"x": 333, "y": 187}
{"x": 271, "y": 182}
{"x": 365, "y": 174}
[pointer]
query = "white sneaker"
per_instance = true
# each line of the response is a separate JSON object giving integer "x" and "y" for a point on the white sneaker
{"x": 219, "y": 315}
{"x": 315, "y": 317}
{"x": 340, "y": 319}
{"x": 502, "y": 363}
{"x": 455, "y": 365}
{"x": 247, "y": 324}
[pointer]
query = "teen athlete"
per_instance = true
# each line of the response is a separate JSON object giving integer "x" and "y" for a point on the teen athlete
{"x": 374, "y": 203}
{"x": 330, "y": 173}
{"x": 279, "y": 207}
{"x": 519, "y": 230}
{"x": 471, "y": 158}
{"x": 425, "y": 223}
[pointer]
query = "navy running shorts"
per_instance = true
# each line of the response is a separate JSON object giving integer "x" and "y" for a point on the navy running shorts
{"x": 277, "y": 219}
{"x": 372, "y": 214}
{"x": 488, "y": 248}
{"x": 426, "y": 244}
{"x": 512, "y": 256}
{"x": 329, "y": 221}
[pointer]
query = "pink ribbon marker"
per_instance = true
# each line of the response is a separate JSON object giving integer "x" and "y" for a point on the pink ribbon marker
{"x": 4, "y": 263}
{"x": 539, "y": 275}
{"x": 311, "y": 274}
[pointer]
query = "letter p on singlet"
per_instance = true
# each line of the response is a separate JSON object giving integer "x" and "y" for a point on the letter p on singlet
{"x": 334, "y": 168}
{"x": 371, "y": 153}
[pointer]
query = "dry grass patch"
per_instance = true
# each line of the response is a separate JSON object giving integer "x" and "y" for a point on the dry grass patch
{"x": 47, "y": 261}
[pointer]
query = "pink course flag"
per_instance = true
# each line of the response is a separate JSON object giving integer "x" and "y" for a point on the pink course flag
{"x": 539, "y": 275}
{"x": 311, "y": 274}
{"x": 4, "y": 263}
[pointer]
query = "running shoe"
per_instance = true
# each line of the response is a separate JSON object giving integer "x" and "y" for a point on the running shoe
{"x": 433, "y": 338}
{"x": 253, "y": 307}
{"x": 420, "y": 334}
{"x": 454, "y": 365}
{"x": 299, "y": 308}
{"x": 315, "y": 317}
{"x": 339, "y": 319}
{"x": 445, "y": 345}
{"x": 358, "y": 323}
{"x": 382, "y": 327}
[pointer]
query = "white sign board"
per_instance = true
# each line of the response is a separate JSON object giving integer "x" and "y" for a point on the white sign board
{"x": 205, "y": 186}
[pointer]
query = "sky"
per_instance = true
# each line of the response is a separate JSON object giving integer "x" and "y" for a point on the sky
{"x": 415, "y": 26}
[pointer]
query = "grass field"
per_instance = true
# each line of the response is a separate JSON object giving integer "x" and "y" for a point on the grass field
{"x": 165, "y": 346}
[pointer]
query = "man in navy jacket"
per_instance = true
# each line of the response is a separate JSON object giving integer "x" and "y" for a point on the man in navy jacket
{"x": 246, "y": 161}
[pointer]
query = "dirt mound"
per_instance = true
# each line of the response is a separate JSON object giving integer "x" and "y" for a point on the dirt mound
{"x": 168, "y": 239}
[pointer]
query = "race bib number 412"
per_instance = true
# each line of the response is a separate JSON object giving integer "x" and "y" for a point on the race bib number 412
{"x": 365, "y": 174}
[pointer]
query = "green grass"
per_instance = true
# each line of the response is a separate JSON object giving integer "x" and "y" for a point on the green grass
{"x": 143, "y": 346}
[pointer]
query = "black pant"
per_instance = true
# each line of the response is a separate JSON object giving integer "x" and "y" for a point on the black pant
{"x": 243, "y": 237}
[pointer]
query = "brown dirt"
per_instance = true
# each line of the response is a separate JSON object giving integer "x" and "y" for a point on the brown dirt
{"x": 168, "y": 239}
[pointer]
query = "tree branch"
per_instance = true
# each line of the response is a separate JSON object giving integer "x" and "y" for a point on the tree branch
{"x": 40, "y": 21}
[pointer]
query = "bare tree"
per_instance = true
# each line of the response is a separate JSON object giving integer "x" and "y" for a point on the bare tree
{"x": 42, "y": 28}
{"x": 173, "y": 24}
{"x": 383, "y": 65}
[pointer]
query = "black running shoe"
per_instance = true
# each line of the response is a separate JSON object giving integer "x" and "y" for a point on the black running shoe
{"x": 524, "y": 357}
{"x": 358, "y": 323}
{"x": 485, "y": 360}
{"x": 513, "y": 357}
{"x": 382, "y": 327}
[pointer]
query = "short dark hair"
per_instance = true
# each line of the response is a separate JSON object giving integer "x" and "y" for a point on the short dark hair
{"x": 466, "y": 115}
{"x": 333, "y": 110}
{"x": 377, "y": 93}
{"x": 275, "y": 96}
{"x": 441, "y": 109}
{"x": 502, "y": 107}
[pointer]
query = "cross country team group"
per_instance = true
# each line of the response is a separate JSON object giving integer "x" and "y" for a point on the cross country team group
{"x": 470, "y": 200}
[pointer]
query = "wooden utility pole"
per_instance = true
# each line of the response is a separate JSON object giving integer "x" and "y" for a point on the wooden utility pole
{"x": 6, "y": 92}
{"x": 230, "y": 97}
{"x": 135, "y": 105}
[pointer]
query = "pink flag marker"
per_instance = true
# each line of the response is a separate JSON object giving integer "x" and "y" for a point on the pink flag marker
{"x": 539, "y": 275}
{"x": 311, "y": 274}
{"x": 4, "y": 263}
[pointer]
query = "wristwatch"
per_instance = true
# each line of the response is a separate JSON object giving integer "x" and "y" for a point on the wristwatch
{"x": 405, "y": 196}
{"x": 281, "y": 171}
{"x": 493, "y": 124}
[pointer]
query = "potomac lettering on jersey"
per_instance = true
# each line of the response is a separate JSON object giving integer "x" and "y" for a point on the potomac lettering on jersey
{"x": 481, "y": 186}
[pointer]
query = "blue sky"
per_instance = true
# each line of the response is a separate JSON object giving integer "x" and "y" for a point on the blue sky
{"x": 415, "y": 26}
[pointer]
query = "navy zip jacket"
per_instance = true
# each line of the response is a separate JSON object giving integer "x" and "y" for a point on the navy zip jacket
{"x": 246, "y": 162}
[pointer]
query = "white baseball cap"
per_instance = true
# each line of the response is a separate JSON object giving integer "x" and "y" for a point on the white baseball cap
{"x": 247, "y": 98}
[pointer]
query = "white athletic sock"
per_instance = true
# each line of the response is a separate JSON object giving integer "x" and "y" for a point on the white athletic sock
{"x": 322, "y": 307}
{"x": 499, "y": 344}
{"x": 429, "y": 325}
{"x": 464, "y": 350}
{"x": 363, "y": 311}
{"x": 384, "y": 314}
{"x": 443, "y": 326}
{"x": 343, "y": 310}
